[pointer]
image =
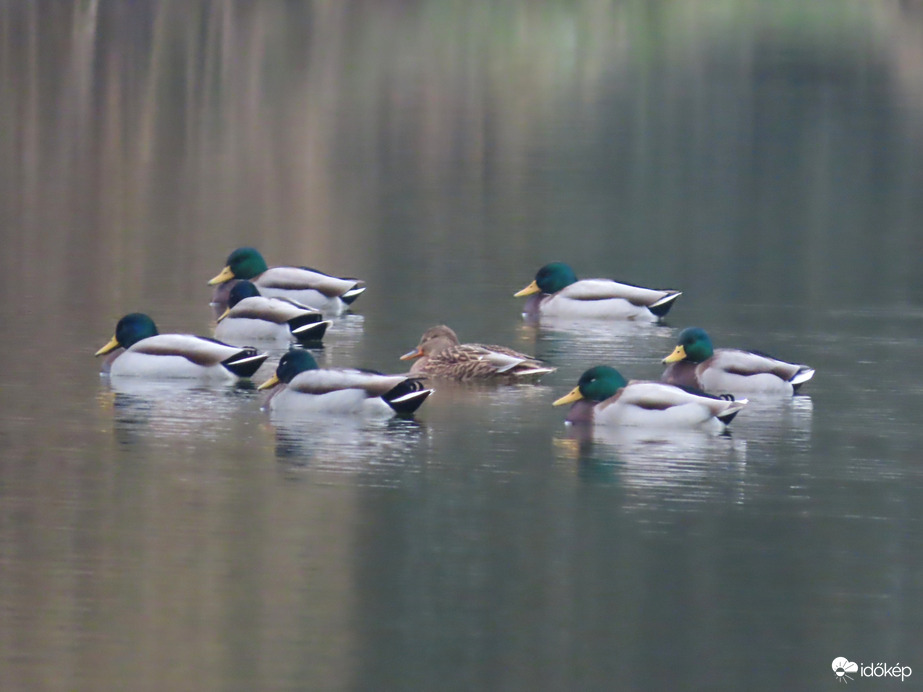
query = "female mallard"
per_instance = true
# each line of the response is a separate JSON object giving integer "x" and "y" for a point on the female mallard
{"x": 150, "y": 354}
{"x": 304, "y": 388}
{"x": 695, "y": 363}
{"x": 253, "y": 317}
{"x": 307, "y": 286}
{"x": 556, "y": 292}
{"x": 441, "y": 355}
{"x": 603, "y": 397}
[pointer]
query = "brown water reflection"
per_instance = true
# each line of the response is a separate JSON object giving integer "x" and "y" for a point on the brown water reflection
{"x": 765, "y": 158}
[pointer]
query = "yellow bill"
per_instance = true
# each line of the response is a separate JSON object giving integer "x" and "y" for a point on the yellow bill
{"x": 108, "y": 348}
{"x": 271, "y": 382}
{"x": 528, "y": 290}
{"x": 570, "y": 397}
{"x": 225, "y": 275}
{"x": 679, "y": 353}
{"x": 224, "y": 314}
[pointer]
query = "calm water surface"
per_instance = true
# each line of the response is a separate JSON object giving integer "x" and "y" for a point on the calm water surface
{"x": 764, "y": 157}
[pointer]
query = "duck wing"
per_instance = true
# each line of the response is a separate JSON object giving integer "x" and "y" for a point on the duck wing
{"x": 199, "y": 349}
{"x": 469, "y": 361}
{"x": 203, "y": 351}
{"x": 276, "y": 310}
{"x": 511, "y": 362}
{"x": 403, "y": 394}
{"x": 333, "y": 380}
{"x": 606, "y": 289}
{"x": 749, "y": 363}
{"x": 657, "y": 396}
{"x": 303, "y": 278}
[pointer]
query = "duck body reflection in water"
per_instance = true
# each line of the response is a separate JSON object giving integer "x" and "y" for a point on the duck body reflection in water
{"x": 164, "y": 412}
{"x": 379, "y": 448}
{"x": 659, "y": 469}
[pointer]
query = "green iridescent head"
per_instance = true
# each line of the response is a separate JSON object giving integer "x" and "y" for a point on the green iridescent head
{"x": 551, "y": 278}
{"x": 243, "y": 263}
{"x": 601, "y": 382}
{"x": 240, "y": 290}
{"x": 130, "y": 330}
{"x": 596, "y": 384}
{"x": 693, "y": 344}
{"x": 290, "y": 365}
{"x": 246, "y": 262}
{"x": 293, "y": 363}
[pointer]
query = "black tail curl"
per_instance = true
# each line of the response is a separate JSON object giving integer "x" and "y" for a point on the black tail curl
{"x": 664, "y": 305}
{"x": 407, "y": 396}
{"x": 308, "y": 327}
{"x": 350, "y": 296}
{"x": 245, "y": 362}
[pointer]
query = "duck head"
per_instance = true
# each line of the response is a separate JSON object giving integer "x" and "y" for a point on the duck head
{"x": 240, "y": 290}
{"x": 434, "y": 340}
{"x": 291, "y": 364}
{"x": 130, "y": 330}
{"x": 693, "y": 345}
{"x": 243, "y": 263}
{"x": 551, "y": 278}
{"x": 596, "y": 384}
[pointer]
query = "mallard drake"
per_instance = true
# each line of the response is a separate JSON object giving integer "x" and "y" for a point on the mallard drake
{"x": 302, "y": 387}
{"x": 695, "y": 363}
{"x": 556, "y": 292}
{"x": 253, "y": 317}
{"x": 441, "y": 355}
{"x": 307, "y": 286}
{"x": 151, "y": 354}
{"x": 603, "y": 397}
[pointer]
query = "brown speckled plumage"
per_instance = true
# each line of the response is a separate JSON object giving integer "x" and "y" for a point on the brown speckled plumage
{"x": 441, "y": 355}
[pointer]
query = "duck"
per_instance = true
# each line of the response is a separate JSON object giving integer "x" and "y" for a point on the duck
{"x": 301, "y": 387}
{"x": 556, "y": 292}
{"x": 147, "y": 353}
{"x": 310, "y": 287}
{"x": 604, "y": 397}
{"x": 254, "y": 317}
{"x": 696, "y": 363}
{"x": 441, "y": 355}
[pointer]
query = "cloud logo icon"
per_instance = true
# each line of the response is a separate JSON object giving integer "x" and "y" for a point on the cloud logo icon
{"x": 842, "y": 666}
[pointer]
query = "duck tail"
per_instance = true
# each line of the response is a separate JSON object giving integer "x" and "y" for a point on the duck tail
{"x": 308, "y": 327}
{"x": 407, "y": 396}
{"x": 731, "y": 411}
{"x": 245, "y": 362}
{"x": 803, "y": 375}
{"x": 357, "y": 290}
{"x": 662, "y": 306}
{"x": 532, "y": 370}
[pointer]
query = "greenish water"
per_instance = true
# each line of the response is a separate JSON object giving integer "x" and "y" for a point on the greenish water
{"x": 763, "y": 157}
